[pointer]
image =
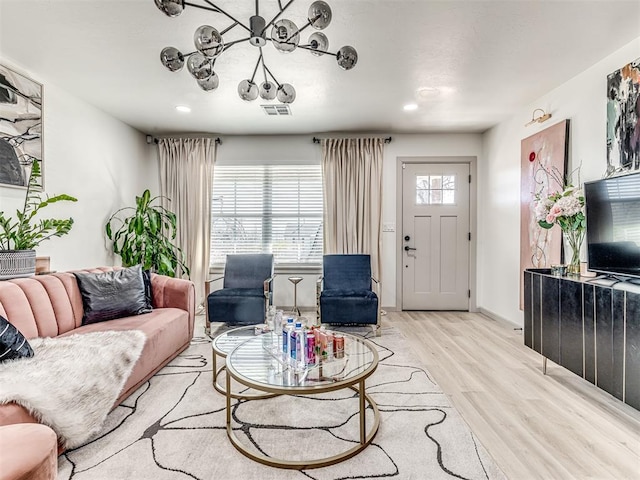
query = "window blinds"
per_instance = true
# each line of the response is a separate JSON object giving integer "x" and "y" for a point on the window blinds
{"x": 267, "y": 209}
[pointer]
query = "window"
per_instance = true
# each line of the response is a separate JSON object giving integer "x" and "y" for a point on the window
{"x": 267, "y": 209}
{"x": 435, "y": 190}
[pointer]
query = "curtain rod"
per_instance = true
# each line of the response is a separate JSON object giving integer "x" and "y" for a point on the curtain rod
{"x": 151, "y": 139}
{"x": 386, "y": 140}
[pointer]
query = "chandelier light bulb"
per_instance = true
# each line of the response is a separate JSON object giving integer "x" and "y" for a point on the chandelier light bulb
{"x": 319, "y": 15}
{"x": 286, "y": 93}
{"x": 171, "y": 8}
{"x": 208, "y": 41}
{"x": 285, "y": 36}
{"x": 247, "y": 90}
{"x": 211, "y": 83}
{"x": 268, "y": 91}
{"x": 318, "y": 41}
{"x": 347, "y": 57}
{"x": 199, "y": 66}
{"x": 172, "y": 58}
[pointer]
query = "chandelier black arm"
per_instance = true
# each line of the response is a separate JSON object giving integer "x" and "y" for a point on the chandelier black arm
{"x": 264, "y": 67}
{"x": 234, "y": 24}
{"x": 257, "y": 65}
{"x": 311, "y": 49}
{"x": 231, "y": 44}
{"x": 297, "y": 32}
{"x": 202, "y": 7}
{"x": 273, "y": 20}
{"x": 218, "y": 9}
{"x": 270, "y": 74}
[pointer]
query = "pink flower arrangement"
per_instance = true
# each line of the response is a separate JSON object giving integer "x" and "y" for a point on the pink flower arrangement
{"x": 565, "y": 209}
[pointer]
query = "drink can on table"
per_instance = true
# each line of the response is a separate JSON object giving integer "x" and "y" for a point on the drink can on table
{"x": 338, "y": 346}
{"x": 311, "y": 349}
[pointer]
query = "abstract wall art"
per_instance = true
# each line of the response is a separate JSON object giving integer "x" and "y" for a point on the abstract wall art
{"x": 543, "y": 162}
{"x": 20, "y": 127}
{"x": 623, "y": 112}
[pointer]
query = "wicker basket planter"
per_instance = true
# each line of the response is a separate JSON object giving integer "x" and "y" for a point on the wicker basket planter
{"x": 17, "y": 263}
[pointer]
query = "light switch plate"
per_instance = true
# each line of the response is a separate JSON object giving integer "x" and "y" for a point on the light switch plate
{"x": 388, "y": 227}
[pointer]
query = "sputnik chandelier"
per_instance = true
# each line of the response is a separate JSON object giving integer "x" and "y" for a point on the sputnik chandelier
{"x": 283, "y": 34}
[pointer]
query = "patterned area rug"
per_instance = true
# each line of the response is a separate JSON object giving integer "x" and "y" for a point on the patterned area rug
{"x": 173, "y": 427}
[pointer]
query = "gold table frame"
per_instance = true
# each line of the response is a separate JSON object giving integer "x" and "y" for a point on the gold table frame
{"x": 270, "y": 390}
{"x": 217, "y": 352}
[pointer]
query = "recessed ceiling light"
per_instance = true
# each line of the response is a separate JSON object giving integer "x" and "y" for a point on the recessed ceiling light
{"x": 183, "y": 108}
{"x": 409, "y": 107}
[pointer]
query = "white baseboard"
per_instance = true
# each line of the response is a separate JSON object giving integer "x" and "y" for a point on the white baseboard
{"x": 499, "y": 318}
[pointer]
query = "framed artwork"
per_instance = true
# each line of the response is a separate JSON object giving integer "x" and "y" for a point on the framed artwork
{"x": 623, "y": 111}
{"x": 543, "y": 163}
{"x": 20, "y": 127}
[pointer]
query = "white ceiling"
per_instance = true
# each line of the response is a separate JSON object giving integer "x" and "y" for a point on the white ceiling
{"x": 485, "y": 58}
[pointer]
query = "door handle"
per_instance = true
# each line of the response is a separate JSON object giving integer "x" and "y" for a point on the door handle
{"x": 407, "y": 248}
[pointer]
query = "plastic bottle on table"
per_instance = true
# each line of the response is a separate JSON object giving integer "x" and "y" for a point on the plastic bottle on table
{"x": 292, "y": 343}
{"x": 277, "y": 322}
{"x": 300, "y": 343}
{"x": 277, "y": 333}
{"x": 271, "y": 314}
{"x": 286, "y": 340}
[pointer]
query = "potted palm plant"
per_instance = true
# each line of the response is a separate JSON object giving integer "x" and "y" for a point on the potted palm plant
{"x": 20, "y": 235}
{"x": 145, "y": 237}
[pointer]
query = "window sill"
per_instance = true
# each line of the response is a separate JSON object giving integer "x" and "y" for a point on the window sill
{"x": 282, "y": 269}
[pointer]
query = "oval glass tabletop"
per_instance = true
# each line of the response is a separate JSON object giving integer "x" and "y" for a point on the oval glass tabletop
{"x": 227, "y": 341}
{"x": 257, "y": 363}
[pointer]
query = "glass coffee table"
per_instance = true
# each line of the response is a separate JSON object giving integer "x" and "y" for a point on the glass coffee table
{"x": 222, "y": 345}
{"x": 254, "y": 364}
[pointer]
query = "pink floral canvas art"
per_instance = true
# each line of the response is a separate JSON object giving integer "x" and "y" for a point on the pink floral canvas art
{"x": 544, "y": 152}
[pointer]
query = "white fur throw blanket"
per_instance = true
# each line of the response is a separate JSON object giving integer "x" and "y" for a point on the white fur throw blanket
{"x": 71, "y": 383}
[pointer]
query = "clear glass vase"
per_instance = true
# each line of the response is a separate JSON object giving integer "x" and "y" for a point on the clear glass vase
{"x": 574, "y": 238}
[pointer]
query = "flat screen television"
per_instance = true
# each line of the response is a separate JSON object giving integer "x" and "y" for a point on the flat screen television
{"x": 612, "y": 208}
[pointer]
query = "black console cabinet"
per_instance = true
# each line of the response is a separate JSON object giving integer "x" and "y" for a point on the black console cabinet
{"x": 592, "y": 330}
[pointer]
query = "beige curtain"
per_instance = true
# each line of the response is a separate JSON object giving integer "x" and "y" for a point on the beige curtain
{"x": 352, "y": 184}
{"x": 186, "y": 177}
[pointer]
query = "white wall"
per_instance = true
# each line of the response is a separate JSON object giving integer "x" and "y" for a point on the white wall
{"x": 93, "y": 157}
{"x": 582, "y": 100}
{"x": 294, "y": 149}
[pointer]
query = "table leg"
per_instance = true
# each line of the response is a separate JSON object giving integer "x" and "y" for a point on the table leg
{"x": 363, "y": 433}
{"x": 215, "y": 368}
{"x": 228, "y": 395}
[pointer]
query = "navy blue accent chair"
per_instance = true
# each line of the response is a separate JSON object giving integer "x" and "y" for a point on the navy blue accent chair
{"x": 245, "y": 291}
{"x": 345, "y": 293}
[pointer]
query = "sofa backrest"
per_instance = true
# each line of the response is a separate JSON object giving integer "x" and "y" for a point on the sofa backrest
{"x": 43, "y": 305}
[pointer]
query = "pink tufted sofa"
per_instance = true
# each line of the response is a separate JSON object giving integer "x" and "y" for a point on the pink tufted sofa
{"x": 51, "y": 305}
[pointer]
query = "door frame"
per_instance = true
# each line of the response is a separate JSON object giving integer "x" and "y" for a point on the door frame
{"x": 473, "y": 214}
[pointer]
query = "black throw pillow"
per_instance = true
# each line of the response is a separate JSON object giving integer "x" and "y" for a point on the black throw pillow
{"x": 110, "y": 295}
{"x": 12, "y": 343}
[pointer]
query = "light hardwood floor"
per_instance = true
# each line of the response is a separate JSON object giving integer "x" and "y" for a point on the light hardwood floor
{"x": 535, "y": 426}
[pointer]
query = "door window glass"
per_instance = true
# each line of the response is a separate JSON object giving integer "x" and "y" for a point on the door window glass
{"x": 435, "y": 190}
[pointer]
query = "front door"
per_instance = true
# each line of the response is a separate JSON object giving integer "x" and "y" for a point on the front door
{"x": 435, "y": 236}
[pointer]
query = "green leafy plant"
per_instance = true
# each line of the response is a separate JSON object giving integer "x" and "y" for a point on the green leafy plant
{"x": 25, "y": 232}
{"x": 145, "y": 237}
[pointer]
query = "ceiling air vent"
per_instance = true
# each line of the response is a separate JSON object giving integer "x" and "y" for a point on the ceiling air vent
{"x": 277, "y": 110}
